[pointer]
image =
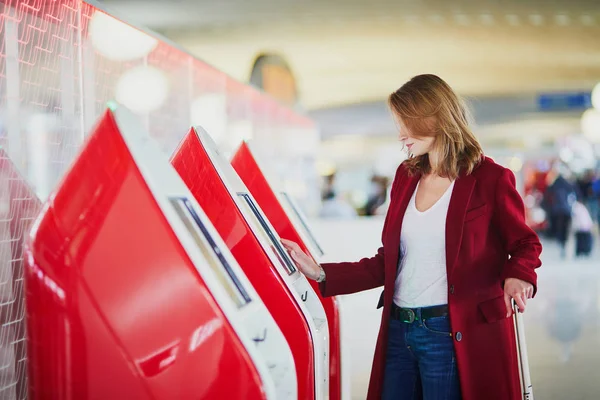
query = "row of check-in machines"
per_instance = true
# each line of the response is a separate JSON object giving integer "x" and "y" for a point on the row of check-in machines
{"x": 150, "y": 278}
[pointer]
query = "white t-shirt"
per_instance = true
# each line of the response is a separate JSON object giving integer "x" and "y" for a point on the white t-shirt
{"x": 422, "y": 279}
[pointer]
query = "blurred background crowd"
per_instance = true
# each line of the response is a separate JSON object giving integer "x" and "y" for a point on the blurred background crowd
{"x": 562, "y": 200}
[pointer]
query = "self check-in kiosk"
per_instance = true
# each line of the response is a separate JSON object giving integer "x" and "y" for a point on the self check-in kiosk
{"x": 289, "y": 222}
{"x": 132, "y": 294}
{"x": 257, "y": 247}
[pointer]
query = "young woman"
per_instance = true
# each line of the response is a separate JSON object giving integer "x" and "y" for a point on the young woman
{"x": 455, "y": 251}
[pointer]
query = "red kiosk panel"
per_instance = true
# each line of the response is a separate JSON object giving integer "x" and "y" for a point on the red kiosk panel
{"x": 196, "y": 169}
{"x": 249, "y": 171}
{"x": 115, "y": 307}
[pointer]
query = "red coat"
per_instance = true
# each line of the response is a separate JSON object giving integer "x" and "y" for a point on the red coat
{"x": 487, "y": 241}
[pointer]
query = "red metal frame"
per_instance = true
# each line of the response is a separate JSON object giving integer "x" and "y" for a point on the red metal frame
{"x": 249, "y": 171}
{"x": 196, "y": 169}
{"x": 115, "y": 308}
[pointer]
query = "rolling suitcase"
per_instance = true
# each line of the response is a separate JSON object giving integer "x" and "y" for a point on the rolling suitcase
{"x": 583, "y": 243}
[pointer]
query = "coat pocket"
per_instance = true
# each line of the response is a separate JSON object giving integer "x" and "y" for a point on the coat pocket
{"x": 494, "y": 309}
{"x": 476, "y": 212}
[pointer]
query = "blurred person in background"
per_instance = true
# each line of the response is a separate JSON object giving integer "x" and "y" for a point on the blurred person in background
{"x": 596, "y": 194}
{"x": 558, "y": 204}
{"x": 377, "y": 195}
{"x": 588, "y": 196}
{"x": 582, "y": 226}
{"x": 328, "y": 185}
{"x": 456, "y": 250}
{"x": 334, "y": 206}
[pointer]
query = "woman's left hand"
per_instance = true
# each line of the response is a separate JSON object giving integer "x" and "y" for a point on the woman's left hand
{"x": 520, "y": 291}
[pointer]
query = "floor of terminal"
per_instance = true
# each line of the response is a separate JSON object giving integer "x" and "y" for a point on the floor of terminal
{"x": 562, "y": 323}
{"x": 563, "y": 327}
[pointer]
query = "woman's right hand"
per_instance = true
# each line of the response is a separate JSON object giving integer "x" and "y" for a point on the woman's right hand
{"x": 305, "y": 263}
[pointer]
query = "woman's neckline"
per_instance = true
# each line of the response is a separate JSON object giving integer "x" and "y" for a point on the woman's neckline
{"x": 434, "y": 205}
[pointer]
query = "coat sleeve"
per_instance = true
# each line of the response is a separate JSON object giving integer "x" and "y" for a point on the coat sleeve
{"x": 368, "y": 273}
{"x": 520, "y": 241}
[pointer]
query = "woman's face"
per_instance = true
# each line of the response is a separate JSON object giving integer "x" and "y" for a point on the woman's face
{"x": 415, "y": 146}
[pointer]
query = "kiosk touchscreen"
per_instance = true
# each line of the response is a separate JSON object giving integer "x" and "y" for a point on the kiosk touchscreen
{"x": 289, "y": 222}
{"x": 257, "y": 247}
{"x": 131, "y": 293}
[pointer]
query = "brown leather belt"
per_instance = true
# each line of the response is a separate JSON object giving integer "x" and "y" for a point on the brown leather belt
{"x": 410, "y": 315}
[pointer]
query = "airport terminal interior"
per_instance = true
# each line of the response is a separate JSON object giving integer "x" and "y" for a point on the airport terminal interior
{"x": 154, "y": 154}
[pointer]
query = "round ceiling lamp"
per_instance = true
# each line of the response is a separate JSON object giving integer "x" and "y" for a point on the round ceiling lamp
{"x": 142, "y": 89}
{"x": 590, "y": 125}
{"x": 118, "y": 41}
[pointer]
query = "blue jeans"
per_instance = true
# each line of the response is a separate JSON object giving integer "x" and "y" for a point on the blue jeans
{"x": 420, "y": 361}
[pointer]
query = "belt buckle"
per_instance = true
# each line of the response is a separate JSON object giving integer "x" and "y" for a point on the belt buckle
{"x": 407, "y": 316}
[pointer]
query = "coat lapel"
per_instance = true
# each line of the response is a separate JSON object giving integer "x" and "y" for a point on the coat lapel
{"x": 459, "y": 202}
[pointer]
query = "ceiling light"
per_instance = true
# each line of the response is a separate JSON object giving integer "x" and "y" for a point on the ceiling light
{"x": 513, "y": 19}
{"x": 536, "y": 19}
{"x": 562, "y": 20}
{"x": 486, "y": 19}
{"x": 142, "y": 89}
{"x": 461, "y": 19}
{"x": 118, "y": 41}
{"x": 587, "y": 20}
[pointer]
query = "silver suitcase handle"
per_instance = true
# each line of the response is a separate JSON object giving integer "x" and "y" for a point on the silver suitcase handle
{"x": 524, "y": 375}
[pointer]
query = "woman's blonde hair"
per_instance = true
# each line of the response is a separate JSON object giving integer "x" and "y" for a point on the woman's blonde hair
{"x": 429, "y": 107}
